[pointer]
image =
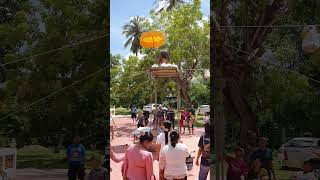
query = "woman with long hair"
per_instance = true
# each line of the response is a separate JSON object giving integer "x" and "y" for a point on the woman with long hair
{"x": 138, "y": 161}
{"x": 173, "y": 159}
{"x": 163, "y": 137}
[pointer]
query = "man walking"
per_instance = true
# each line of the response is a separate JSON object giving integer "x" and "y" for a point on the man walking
{"x": 170, "y": 116}
{"x": 133, "y": 113}
{"x": 76, "y": 154}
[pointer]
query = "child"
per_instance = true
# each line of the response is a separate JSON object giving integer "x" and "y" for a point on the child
{"x": 184, "y": 116}
{"x": 191, "y": 122}
{"x": 307, "y": 173}
{"x": 140, "y": 120}
{"x": 257, "y": 172}
{"x": 112, "y": 126}
{"x": 206, "y": 118}
{"x": 237, "y": 167}
{"x": 97, "y": 173}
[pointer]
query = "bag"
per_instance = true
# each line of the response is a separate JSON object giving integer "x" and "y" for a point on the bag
{"x": 185, "y": 123}
{"x": 189, "y": 163}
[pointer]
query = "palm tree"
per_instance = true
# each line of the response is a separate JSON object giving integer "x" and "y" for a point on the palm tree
{"x": 168, "y": 4}
{"x": 132, "y": 31}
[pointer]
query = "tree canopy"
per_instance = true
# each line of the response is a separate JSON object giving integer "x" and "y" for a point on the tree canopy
{"x": 80, "y": 108}
{"x": 187, "y": 33}
{"x": 268, "y": 78}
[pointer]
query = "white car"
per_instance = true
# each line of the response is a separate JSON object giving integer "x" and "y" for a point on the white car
{"x": 297, "y": 150}
{"x": 203, "y": 109}
{"x": 149, "y": 107}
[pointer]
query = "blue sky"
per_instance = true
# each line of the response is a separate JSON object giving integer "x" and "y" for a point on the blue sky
{"x": 122, "y": 10}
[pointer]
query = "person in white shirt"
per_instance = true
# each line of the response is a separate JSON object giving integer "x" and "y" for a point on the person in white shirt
{"x": 173, "y": 159}
{"x": 307, "y": 173}
{"x": 163, "y": 138}
{"x": 112, "y": 126}
{"x": 206, "y": 118}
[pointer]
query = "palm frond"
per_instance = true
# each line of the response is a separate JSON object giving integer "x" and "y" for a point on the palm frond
{"x": 128, "y": 42}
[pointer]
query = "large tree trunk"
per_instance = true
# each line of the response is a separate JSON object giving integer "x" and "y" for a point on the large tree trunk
{"x": 248, "y": 119}
{"x": 184, "y": 92}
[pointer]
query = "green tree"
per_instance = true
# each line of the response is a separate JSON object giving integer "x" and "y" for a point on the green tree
{"x": 80, "y": 108}
{"x": 133, "y": 31}
{"x": 187, "y": 41}
{"x": 240, "y": 50}
{"x": 168, "y": 5}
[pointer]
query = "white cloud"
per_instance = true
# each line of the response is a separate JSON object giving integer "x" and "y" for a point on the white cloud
{"x": 140, "y": 56}
{"x": 205, "y": 18}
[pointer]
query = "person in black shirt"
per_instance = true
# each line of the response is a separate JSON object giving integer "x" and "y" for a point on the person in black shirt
{"x": 192, "y": 110}
{"x": 204, "y": 152}
{"x": 140, "y": 120}
{"x": 170, "y": 116}
{"x": 146, "y": 115}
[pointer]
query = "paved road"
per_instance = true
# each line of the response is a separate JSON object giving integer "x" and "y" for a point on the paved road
{"x": 36, "y": 174}
{"x": 123, "y": 136}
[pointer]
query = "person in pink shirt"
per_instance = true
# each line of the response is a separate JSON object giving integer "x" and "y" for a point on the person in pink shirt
{"x": 237, "y": 169}
{"x": 138, "y": 161}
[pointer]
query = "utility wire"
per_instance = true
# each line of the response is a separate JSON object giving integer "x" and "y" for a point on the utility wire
{"x": 133, "y": 88}
{"x": 271, "y": 26}
{"x": 56, "y": 92}
{"x": 251, "y": 54}
{"x": 54, "y": 50}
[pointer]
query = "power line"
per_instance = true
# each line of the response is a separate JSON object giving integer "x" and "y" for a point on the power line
{"x": 269, "y": 26}
{"x": 133, "y": 88}
{"x": 57, "y": 92}
{"x": 274, "y": 64}
{"x": 54, "y": 50}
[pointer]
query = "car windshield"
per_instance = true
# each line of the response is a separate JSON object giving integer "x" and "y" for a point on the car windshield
{"x": 300, "y": 143}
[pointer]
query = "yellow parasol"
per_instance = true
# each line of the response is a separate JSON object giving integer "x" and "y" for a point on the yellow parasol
{"x": 152, "y": 39}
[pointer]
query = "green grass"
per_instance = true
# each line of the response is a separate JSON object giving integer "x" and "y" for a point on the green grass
{"x": 122, "y": 111}
{"x": 45, "y": 158}
{"x": 125, "y": 111}
{"x": 41, "y": 159}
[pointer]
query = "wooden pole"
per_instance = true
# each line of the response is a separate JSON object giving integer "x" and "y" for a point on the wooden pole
{"x": 218, "y": 98}
{"x": 156, "y": 91}
{"x": 178, "y": 101}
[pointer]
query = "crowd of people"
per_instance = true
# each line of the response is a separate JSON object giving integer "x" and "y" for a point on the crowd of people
{"x": 187, "y": 120}
{"x": 174, "y": 157}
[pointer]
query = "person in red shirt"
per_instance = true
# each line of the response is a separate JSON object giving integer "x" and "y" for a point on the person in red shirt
{"x": 184, "y": 116}
{"x": 237, "y": 168}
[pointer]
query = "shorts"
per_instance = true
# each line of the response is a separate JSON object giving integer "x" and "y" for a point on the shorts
{"x": 133, "y": 115}
{"x": 181, "y": 122}
{"x": 140, "y": 125}
{"x": 76, "y": 171}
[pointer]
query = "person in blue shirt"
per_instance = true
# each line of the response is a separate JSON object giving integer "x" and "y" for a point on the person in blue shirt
{"x": 133, "y": 113}
{"x": 264, "y": 154}
{"x": 76, "y": 155}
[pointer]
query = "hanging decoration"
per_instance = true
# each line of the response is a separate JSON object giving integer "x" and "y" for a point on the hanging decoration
{"x": 206, "y": 74}
{"x": 152, "y": 39}
{"x": 311, "y": 41}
